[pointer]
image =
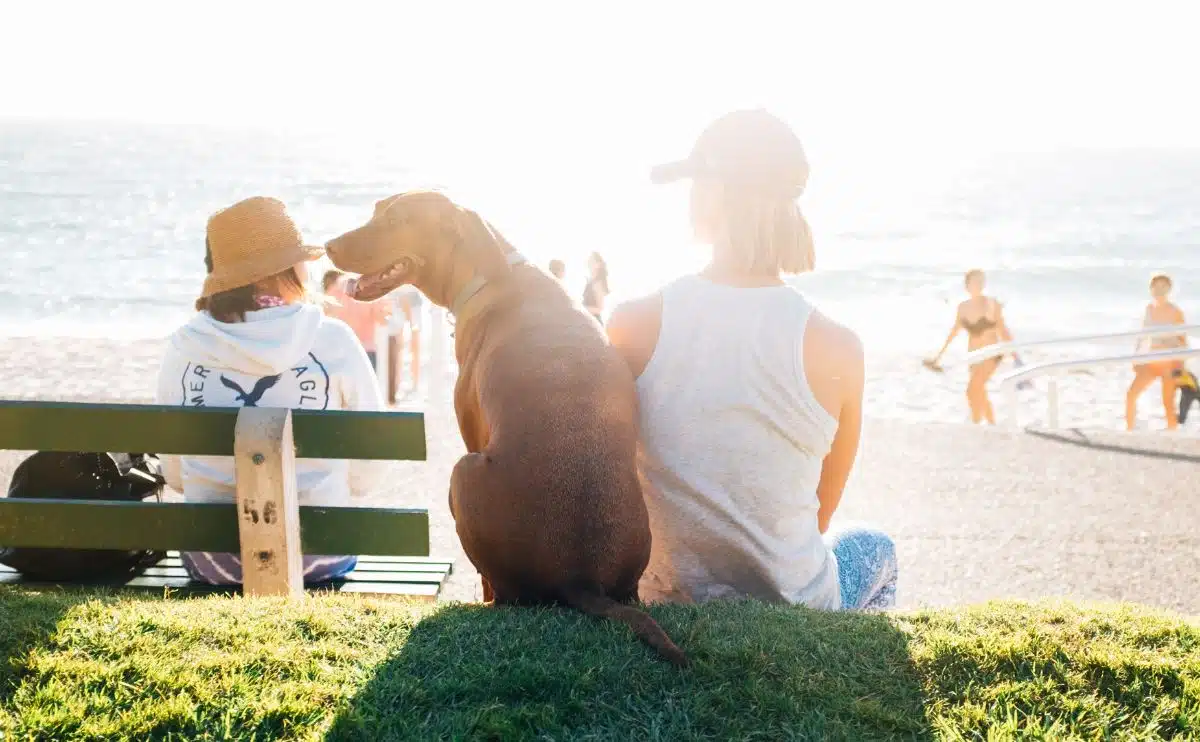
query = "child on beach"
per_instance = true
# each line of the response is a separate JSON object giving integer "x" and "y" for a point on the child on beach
{"x": 362, "y": 317}
{"x": 407, "y": 314}
{"x": 256, "y": 342}
{"x": 1159, "y": 312}
{"x": 750, "y": 398}
{"x": 1189, "y": 391}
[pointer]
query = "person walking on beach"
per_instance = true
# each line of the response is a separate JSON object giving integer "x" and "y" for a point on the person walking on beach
{"x": 750, "y": 398}
{"x": 362, "y": 317}
{"x": 256, "y": 341}
{"x": 983, "y": 319}
{"x": 407, "y": 315}
{"x": 1189, "y": 391}
{"x": 1159, "y": 312}
{"x": 596, "y": 291}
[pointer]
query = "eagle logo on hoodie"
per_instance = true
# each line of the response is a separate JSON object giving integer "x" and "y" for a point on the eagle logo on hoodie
{"x": 303, "y": 386}
{"x": 260, "y": 388}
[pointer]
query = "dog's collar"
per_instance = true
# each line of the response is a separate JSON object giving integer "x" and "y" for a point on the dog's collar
{"x": 478, "y": 282}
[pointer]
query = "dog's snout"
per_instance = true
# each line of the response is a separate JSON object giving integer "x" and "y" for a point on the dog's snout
{"x": 342, "y": 253}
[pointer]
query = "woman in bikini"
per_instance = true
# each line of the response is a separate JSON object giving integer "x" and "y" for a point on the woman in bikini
{"x": 982, "y": 318}
{"x": 1160, "y": 311}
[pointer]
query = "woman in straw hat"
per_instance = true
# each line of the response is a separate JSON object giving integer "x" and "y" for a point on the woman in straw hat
{"x": 750, "y": 398}
{"x": 257, "y": 342}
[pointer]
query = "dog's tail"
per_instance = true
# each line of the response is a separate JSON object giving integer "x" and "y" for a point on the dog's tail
{"x": 592, "y": 601}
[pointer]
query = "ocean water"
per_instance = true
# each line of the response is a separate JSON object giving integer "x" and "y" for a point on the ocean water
{"x": 101, "y": 233}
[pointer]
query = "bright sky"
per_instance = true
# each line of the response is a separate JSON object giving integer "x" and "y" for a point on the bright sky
{"x": 629, "y": 79}
{"x": 543, "y": 88}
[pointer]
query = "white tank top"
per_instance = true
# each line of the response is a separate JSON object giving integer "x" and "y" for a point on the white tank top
{"x": 732, "y": 442}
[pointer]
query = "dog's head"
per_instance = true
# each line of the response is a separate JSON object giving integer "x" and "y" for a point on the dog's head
{"x": 424, "y": 239}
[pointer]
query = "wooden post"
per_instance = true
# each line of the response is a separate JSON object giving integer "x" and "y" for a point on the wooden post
{"x": 268, "y": 508}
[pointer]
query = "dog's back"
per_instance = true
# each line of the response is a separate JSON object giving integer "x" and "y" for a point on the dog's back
{"x": 561, "y": 409}
{"x": 566, "y": 519}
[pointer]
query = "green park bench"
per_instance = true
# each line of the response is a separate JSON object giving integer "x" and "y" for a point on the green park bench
{"x": 266, "y": 525}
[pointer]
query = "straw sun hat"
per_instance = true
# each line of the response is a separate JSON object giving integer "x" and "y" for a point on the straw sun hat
{"x": 252, "y": 240}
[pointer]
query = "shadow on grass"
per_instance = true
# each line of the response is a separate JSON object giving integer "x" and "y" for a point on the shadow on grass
{"x": 1079, "y": 438}
{"x": 759, "y": 672}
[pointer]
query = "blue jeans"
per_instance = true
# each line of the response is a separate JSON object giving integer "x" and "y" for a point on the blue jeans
{"x": 867, "y": 568}
{"x": 217, "y": 568}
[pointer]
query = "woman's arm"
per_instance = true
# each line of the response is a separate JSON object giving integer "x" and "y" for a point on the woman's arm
{"x": 949, "y": 339}
{"x": 835, "y": 470}
{"x": 1146, "y": 322}
{"x": 633, "y": 330}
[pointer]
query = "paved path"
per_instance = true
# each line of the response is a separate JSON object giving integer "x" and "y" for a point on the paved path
{"x": 980, "y": 514}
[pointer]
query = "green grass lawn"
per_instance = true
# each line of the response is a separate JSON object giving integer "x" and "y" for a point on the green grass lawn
{"x": 104, "y": 667}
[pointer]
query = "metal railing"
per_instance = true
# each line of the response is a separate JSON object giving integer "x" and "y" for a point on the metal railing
{"x": 1011, "y": 379}
{"x": 1000, "y": 349}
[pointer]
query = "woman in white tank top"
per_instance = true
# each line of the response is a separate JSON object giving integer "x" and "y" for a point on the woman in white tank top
{"x": 751, "y": 400}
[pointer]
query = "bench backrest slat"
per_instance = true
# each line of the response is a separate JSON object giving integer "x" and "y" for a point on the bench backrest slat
{"x": 192, "y": 526}
{"x": 203, "y": 431}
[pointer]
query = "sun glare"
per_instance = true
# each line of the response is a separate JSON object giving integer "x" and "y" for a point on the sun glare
{"x": 551, "y": 115}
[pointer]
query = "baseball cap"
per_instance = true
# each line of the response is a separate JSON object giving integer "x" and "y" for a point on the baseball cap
{"x": 750, "y": 149}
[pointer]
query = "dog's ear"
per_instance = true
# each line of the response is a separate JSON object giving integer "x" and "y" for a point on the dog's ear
{"x": 487, "y": 248}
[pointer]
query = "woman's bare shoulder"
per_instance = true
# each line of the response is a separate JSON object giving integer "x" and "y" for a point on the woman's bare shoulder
{"x": 637, "y": 315}
{"x": 633, "y": 328}
{"x": 839, "y": 344}
{"x": 833, "y": 362}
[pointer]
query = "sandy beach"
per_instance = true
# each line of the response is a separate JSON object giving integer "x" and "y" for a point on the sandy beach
{"x": 977, "y": 513}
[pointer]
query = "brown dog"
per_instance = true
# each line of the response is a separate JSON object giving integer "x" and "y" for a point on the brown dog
{"x": 547, "y": 502}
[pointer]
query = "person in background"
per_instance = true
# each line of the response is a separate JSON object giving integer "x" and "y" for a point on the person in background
{"x": 983, "y": 319}
{"x": 407, "y": 315}
{"x": 596, "y": 291}
{"x": 750, "y": 398}
{"x": 330, "y": 278}
{"x": 365, "y": 318}
{"x": 256, "y": 341}
{"x": 1159, "y": 312}
{"x": 558, "y": 269}
{"x": 1189, "y": 391}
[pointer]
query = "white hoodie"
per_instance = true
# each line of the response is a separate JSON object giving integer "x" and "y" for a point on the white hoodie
{"x": 291, "y": 356}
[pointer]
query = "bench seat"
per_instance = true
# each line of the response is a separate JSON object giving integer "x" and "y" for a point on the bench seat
{"x": 414, "y": 577}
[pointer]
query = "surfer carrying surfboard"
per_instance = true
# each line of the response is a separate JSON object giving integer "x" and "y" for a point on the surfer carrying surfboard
{"x": 982, "y": 318}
